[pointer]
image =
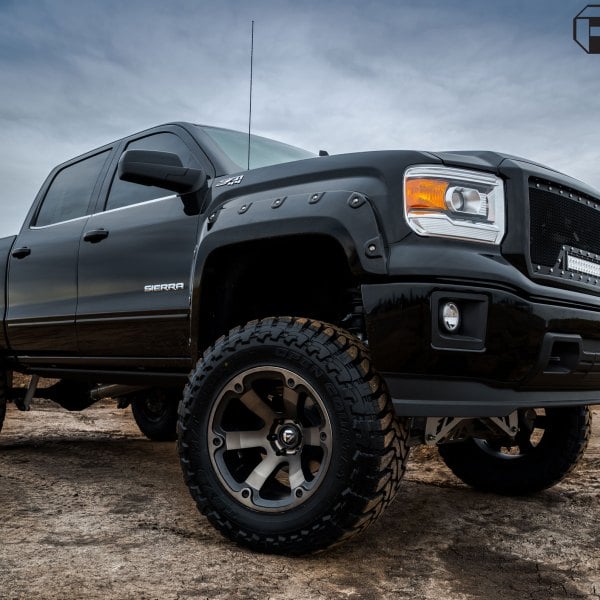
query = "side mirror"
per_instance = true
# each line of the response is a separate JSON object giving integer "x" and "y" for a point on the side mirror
{"x": 161, "y": 169}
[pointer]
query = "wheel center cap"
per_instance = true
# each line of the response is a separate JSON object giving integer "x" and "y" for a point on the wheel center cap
{"x": 290, "y": 436}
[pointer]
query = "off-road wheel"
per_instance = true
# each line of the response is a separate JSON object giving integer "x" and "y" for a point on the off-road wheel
{"x": 155, "y": 412}
{"x": 548, "y": 446}
{"x": 287, "y": 438}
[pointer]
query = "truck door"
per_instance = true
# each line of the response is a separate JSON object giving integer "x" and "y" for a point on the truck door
{"x": 134, "y": 267}
{"x": 42, "y": 270}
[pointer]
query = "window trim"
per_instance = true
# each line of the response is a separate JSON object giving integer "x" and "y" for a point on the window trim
{"x": 35, "y": 227}
{"x": 104, "y": 212}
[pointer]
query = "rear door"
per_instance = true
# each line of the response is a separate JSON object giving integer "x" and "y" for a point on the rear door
{"x": 135, "y": 262}
{"x": 42, "y": 270}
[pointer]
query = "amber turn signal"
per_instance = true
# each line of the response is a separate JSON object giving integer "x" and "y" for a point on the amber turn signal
{"x": 426, "y": 194}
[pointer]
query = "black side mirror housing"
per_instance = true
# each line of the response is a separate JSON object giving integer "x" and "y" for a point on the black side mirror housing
{"x": 160, "y": 169}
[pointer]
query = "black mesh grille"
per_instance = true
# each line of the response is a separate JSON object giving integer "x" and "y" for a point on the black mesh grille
{"x": 558, "y": 221}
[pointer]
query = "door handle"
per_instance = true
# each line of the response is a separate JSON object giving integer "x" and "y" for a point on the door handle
{"x": 95, "y": 235}
{"x": 21, "y": 252}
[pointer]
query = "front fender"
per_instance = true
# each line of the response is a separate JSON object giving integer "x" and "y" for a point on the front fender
{"x": 346, "y": 216}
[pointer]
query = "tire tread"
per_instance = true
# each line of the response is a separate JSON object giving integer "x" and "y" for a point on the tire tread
{"x": 381, "y": 438}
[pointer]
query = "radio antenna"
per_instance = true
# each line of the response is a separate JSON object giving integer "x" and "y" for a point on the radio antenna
{"x": 250, "y": 111}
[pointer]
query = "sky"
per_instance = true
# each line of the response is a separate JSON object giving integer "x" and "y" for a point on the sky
{"x": 340, "y": 75}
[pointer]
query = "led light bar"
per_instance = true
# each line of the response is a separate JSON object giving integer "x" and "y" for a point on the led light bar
{"x": 574, "y": 263}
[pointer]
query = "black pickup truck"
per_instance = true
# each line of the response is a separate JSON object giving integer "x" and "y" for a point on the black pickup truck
{"x": 299, "y": 321}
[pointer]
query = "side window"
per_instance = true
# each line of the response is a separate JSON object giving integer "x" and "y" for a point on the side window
{"x": 70, "y": 192}
{"x": 124, "y": 193}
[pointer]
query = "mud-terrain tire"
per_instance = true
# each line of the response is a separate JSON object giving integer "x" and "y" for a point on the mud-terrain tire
{"x": 155, "y": 412}
{"x": 549, "y": 445}
{"x": 3, "y": 386}
{"x": 287, "y": 438}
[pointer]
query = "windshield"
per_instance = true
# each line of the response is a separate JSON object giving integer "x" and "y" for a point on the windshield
{"x": 263, "y": 151}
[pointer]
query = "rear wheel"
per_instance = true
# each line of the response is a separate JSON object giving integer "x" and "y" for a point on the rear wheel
{"x": 155, "y": 412}
{"x": 287, "y": 439}
{"x": 548, "y": 446}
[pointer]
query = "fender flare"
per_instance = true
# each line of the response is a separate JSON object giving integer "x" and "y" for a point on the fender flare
{"x": 347, "y": 217}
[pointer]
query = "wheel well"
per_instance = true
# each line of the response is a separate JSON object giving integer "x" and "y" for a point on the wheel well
{"x": 306, "y": 276}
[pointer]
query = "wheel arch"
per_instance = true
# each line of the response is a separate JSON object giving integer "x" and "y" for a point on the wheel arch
{"x": 305, "y": 275}
{"x": 251, "y": 248}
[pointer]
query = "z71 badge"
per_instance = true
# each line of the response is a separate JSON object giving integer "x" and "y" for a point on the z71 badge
{"x": 230, "y": 181}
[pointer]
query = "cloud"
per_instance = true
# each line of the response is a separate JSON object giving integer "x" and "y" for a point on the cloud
{"x": 342, "y": 75}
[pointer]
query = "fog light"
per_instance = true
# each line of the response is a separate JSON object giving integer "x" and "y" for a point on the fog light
{"x": 450, "y": 316}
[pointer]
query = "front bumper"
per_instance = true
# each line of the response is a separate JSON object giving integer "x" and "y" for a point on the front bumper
{"x": 520, "y": 344}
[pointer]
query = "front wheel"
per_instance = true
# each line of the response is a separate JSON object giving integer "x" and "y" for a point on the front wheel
{"x": 549, "y": 444}
{"x": 287, "y": 438}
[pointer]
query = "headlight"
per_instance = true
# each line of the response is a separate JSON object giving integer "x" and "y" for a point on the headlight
{"x": 454, "y": 203}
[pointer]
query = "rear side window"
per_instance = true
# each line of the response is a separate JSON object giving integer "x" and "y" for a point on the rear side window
{"x": 125, "y": 193}
{"x": 70, "y": 192}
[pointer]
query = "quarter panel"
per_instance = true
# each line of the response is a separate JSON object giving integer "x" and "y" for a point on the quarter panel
{"x": 5, "y": 248}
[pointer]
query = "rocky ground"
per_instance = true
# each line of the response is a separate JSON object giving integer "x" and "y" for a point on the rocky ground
{"x": 91, "y": 509}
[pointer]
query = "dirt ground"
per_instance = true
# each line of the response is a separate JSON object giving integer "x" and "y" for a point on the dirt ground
{"x": 91, "y": 509}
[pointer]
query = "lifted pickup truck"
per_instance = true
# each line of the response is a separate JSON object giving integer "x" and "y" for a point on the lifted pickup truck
{"x": 332, "y": 310}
